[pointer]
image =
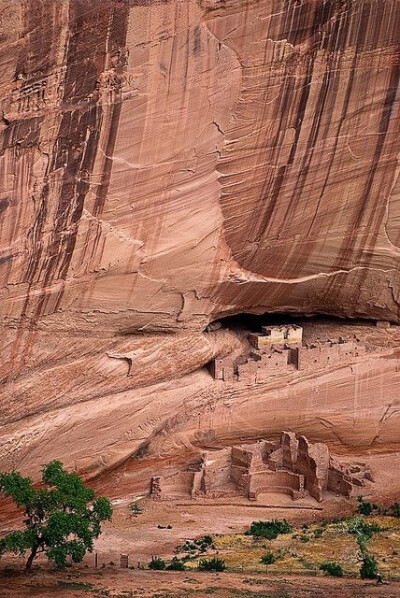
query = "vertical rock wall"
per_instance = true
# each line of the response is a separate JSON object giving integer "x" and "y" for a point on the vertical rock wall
{"x": 164, "y": 163}
{"x": 167, "y": 162}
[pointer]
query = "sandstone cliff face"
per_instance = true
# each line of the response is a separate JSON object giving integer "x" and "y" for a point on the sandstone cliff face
{"x": 167, "y": 162}
{"x": 164, "y": 163}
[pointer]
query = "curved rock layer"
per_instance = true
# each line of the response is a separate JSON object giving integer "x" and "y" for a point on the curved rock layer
{"x": 164, "y": 163}
{"x": 351, "y": 409}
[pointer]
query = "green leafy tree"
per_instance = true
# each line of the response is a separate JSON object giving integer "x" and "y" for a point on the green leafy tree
{"x": 62, "y": 518}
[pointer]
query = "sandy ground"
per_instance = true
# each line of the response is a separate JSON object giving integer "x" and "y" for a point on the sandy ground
{"x": 128, "y": 584}
{"x": 140, "y": 537}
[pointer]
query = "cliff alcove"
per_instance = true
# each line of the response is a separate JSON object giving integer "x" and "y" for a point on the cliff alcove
{"x": 166, "y": 164}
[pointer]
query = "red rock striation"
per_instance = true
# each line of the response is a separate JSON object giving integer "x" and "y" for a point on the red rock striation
{"x": 164, "y": 163}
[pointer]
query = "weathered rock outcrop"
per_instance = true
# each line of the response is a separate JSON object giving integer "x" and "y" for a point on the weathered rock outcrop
{"x": 167, "y": 162}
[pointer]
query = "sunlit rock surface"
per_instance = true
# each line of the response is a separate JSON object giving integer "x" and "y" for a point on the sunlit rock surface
{"x": 166, "y": 163}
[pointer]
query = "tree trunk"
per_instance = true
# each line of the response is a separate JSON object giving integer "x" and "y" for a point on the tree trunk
{"x": 31, "y": 557}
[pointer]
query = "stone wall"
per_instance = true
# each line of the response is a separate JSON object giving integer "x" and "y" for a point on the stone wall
{"x": 267, "y": 360}
{"x": 313, "y": 462}
{"x": 222, "y": 368}
{"x": 279, "y": 482}
{"x": 175, "y": 486}
{"x": 322, "y": 355}
{"x": 216, "y": 473}
{"x": 289, "y": 466}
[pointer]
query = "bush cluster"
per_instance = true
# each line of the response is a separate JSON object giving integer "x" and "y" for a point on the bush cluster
{"x": 268, "y": 559}
{"x": 369, "y": 567}
{"x": 359, "y": 527}
{"x": 176, "y": 565}
{"x": 157, "y": 564}
{"x": 365, "y": 508}
{"x": 332, "y": 568}
{"x": 199, "y": 545}
{"x": 214, "y": 564}
{"x": 270, "y": 529}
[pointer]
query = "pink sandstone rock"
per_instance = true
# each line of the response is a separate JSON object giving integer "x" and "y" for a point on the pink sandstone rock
{"x": 164, "y": 163}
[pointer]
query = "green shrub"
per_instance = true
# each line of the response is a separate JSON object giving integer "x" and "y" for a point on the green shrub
{"x": 201, "y": 545}
{"x": 270, "y": 529}
{"x": 332, "y": 568}
{"x": 364, "y": 507}
{"x": 268, "y": 559}
{"x": 304, "y": 538}
{"x": 318, "y": 532}
{"x": 396, "y": 509}
{"x": 213, "y": 564}
{"x": 369, "y": 567}
{"x": 176, "y": 565}
{"x": 157, "y": 564}
{"x": 359, "y": 527}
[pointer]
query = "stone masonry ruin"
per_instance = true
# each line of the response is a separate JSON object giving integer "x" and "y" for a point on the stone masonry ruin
{"x": 279, "y": 350}
{"x": 291, "y": 465}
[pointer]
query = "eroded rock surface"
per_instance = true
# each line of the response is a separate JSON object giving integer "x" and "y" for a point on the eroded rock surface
{"x": 165, "y": 163}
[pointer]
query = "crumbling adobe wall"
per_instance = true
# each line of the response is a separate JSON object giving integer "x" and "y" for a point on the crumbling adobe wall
{"x": 216, "y": 480}
{"x": 323, "y": 355}
{"x": 347, "y": 481}
{"x": 338, "y": 484}
{"x": 313, "y": 463}
{"x": 259, "y": 365}
{"x": 272, "y": 364}
{"x": 222, "y": 368}
{"x": 170, "y": 487}
{"x": 290, "y": 466}
{"x": 290, "y": 448}
{"x": 241, "y": 463}
{"x": 279, "y": 481}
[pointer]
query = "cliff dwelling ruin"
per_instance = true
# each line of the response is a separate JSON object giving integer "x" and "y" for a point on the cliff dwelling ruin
{"x": 292, "y": 466}
{"x": 280, "y": 349}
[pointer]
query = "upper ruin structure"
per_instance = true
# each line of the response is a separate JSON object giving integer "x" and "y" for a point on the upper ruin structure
{"x": 279, "y": 350}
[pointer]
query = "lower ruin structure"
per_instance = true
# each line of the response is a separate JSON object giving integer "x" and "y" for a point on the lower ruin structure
{"x": 291, "y": 466}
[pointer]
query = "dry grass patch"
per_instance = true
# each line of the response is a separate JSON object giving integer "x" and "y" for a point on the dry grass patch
{"x": 304, "y": 549}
